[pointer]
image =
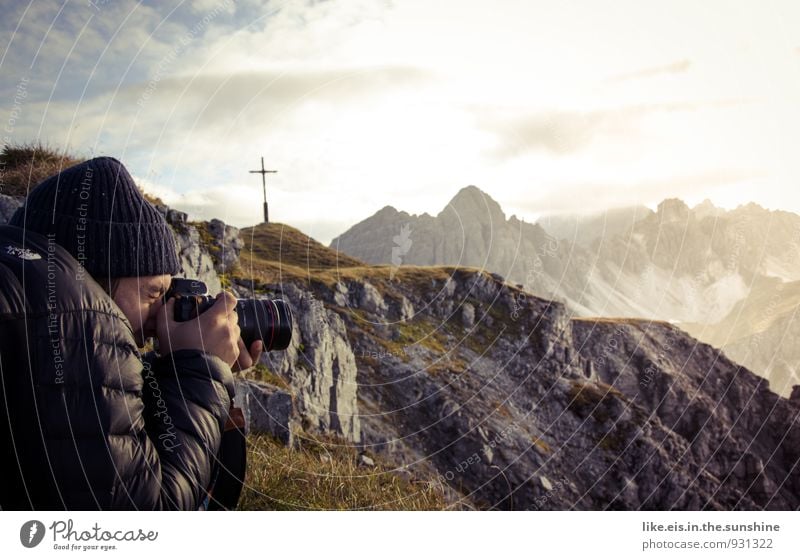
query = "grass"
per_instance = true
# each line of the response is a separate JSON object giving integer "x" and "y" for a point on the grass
{"x": 326, "y": 474}
{"x": 423, "y": 333}
{"x": 290, "y": 246}
{"x": 207, "y": 240}
{"x": 632, "y": 321}
{"x": 260, "y": 372}
{"x": 23, "y": 166}
{"x": 451, "y": 365}
{"x": 541, "y": 444}
{"x": 275, "y": 253}
{"x": 612, "y": 441}
{"x": 592, "y": 398}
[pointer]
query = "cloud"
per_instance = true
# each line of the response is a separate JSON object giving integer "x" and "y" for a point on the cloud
{"x": 677, "y": 67}
{"x": 205, "y": 7}
{"x": 587, "y": 197}
{"x": 564, "y": 132}
{"x": 222, "y": 97}
{"x": 74, "y": 52}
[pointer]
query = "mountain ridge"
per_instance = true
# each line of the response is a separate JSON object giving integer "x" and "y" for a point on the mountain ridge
{"x": 686, "y": 265}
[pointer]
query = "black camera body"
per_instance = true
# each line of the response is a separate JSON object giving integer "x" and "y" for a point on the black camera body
{"x": 269, "y": 320}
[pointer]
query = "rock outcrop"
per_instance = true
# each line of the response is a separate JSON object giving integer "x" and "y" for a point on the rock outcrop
{"x": 267, "y": 409}
{"x": 319, "y": 364}
{"x": 206, "y": 249}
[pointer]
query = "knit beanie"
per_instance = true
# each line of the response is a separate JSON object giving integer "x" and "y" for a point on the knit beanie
{"x": 95, "y": 211}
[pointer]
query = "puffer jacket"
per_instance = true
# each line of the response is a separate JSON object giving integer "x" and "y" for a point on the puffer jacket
{"x": 86, "y": 421}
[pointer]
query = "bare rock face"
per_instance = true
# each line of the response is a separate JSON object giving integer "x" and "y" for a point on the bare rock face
{"x": 320, "y": 366}
{"x": 267, "y": 409}
{"x": 740, "y": 431}
{"x": 370, "y": 299}
{"x": 196, "y": 260}
{"x": 226, "y": 244}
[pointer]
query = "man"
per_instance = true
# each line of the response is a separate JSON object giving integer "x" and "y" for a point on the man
{"x": 86, "y": 420}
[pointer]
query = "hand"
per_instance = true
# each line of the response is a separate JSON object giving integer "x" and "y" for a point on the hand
{"x": 215, "y": 331}
{"x": 248, "y": 359}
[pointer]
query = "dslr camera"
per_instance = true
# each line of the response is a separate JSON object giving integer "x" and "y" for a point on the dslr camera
{"x": 268, "y": 320}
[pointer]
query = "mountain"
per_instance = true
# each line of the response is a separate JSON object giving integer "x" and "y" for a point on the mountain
{"x": 689, "y": 266}
{"x": 471, "y": 231}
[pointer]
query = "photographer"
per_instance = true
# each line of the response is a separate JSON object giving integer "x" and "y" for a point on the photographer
{"x": 88, "y": 421}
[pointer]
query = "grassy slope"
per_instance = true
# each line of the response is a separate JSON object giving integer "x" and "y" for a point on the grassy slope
{"x": 24, "y": 166}
{"x": 325, "y": 474}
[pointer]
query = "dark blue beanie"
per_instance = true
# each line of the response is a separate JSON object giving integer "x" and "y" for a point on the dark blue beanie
{"x": 95, "y": 211}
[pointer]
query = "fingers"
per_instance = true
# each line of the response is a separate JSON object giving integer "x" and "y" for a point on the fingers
{"x": 243, "y": 361}
{"x": 216, "y": 331}
{"x": 256, "y": 349}
{"x": 226, "y": 300}
{"x": 248, "y": 359}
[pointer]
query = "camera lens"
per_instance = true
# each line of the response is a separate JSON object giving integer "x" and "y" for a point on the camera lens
{"x": 269, "y": 320}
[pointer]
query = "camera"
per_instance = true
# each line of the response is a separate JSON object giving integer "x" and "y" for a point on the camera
{"x": 269, "y": 320}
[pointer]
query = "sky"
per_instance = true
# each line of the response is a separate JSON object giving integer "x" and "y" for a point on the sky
{"x": 549, "y": 107}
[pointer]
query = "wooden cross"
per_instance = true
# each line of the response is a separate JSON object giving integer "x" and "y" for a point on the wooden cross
{"x": 264, "y": 184}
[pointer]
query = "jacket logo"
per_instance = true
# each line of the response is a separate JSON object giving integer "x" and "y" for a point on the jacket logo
{"x": 22, "y": 253}
{"x": 31, "y": 533}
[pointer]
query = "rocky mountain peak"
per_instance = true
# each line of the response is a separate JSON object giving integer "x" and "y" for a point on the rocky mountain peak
{"x": 471, "y": 202}
{"x": 672, "y": 210}
{"x": 706, "y": 208}
{"x": 387, "y": 211}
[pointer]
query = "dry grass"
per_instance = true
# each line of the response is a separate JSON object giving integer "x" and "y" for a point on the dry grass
{"x": 326, "y": 475}
{"x": 541, "y": 444}
{"x": 260, "y": 372}
{"x": 276, "y": 253}
{"x": 23, "y": 166}
{"x": 290, "y": 246}
{"x": 632, "y": 321}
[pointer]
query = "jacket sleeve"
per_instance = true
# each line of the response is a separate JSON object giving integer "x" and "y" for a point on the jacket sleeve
{"x": 186, "y": 398}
